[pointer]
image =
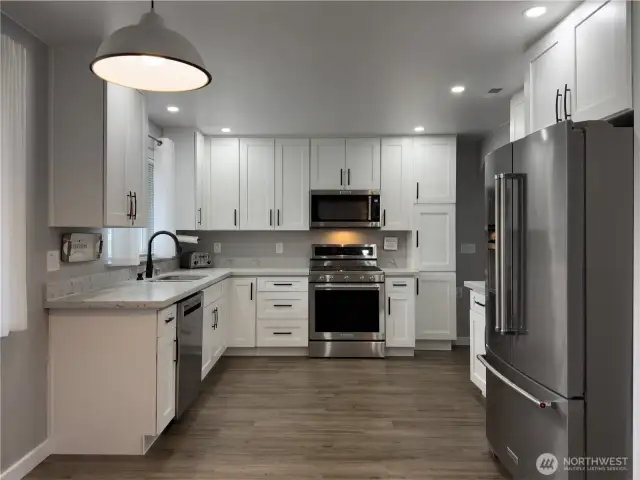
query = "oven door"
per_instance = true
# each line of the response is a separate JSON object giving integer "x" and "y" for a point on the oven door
{"x": 344, "y": 311}
{"x": 336, "y": 209}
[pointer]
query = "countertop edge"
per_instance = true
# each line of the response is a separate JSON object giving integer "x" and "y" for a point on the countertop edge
{"x": 400, "y": 272}
{"x": 474, "y": 285}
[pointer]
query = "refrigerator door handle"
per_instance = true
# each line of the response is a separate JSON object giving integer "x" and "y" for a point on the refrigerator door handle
{"x": 501, "y": 254}
{"x": 540, "y": 403}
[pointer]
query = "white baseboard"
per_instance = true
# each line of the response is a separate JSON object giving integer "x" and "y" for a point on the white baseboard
{"x": 31, "y": 460}
{"x": 433, "y": 344}
{"x": 398, "y": 351}
{"x": 462, "y": 341}
{"x": 266, "y": 352}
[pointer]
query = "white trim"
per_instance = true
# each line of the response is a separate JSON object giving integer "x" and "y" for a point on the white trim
{"x": 266, "y": 352}
{"x": 398, "y": 352}
{"x": 26, "y": 464}
{"x": 462, "y": 341}
{"x": 433, "y": 345}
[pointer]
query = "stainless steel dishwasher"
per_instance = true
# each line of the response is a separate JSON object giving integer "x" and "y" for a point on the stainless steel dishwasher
{"x": 189, "y": 352}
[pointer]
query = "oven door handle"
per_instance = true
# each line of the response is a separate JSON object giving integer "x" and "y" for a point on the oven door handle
{"x": 348, "y": 286}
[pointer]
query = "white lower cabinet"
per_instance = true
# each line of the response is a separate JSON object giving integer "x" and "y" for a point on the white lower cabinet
{"x": 400, "y": 319}
{"x": 282, "y": 333}
{"x": 282, "y": 312}
{"x": 436, "y": 306}
{"x": 166, "y": 379}
{"x": 242, "y": 312}
{"x": 214, "y": 326}
{"x": 477, "y": 341}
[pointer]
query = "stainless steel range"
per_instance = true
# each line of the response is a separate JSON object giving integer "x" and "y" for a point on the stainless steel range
{"x": 346, "y": 302}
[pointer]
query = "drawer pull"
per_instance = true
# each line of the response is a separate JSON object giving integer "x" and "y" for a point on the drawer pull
{"x": 170, "y": 319}
{"x": 478, "y": 303}
{"x": 283, "y": 284}
{"x": 283, "y": 306}
{"x": 399, "y": 284}
{"x": 283, "y": 333}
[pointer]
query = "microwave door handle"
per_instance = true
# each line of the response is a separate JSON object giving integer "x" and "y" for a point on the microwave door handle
{"x": 369, "y": 209}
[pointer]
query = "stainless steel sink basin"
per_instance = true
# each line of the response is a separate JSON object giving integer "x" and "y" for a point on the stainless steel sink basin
{"x": 178, "y": 278}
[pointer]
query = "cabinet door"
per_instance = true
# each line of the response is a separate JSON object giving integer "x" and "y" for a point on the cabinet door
{"x": 118, "y": 202}
{"x": 435, "y": 169}
{"x": 257, "y": 190}
{"x": 292, "y": 184}
{"x": 225, "y": 184}
{"x": 219, "y": 338}
{"x": 395, "y": 188}
{"x": 401, "y": 320}
{"x": 477, "y": 328}
{"x": 243, "y": 312}
{"x": 436, "y": 306}
{"x": 328, "y": 163}
{"x": 166, "y": 380}
{"x": 363, "y": 164}
{"x": 203, "y": 183}
{"x": 601, "y": 40}
{"x": 137, "y": 170}
{"x": 208, "y": 327}
{"x": 435, "y": 238}
{"x": 549, "y": 69}
{"x": 517, "y": 127}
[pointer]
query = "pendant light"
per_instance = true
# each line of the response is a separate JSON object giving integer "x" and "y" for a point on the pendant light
{"x": 149, "y": 56}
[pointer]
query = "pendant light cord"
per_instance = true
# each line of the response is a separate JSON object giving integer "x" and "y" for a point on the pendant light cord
{"x": 152, "y": 4}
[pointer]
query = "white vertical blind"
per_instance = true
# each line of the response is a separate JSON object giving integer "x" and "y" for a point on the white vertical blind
{"x": 164, "y": 203}
{"x": 14, "y": 81}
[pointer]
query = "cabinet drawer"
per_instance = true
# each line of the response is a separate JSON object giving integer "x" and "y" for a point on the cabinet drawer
{"x": 283, "y": 284}
{"x": 213, "y": 293}
{"x": 400, "y": 285}
{"x": 477, "y": 302}
{"x": 282, "y": 333}
{"x": 283, "y": 305}
{"x": 167, "y": 319}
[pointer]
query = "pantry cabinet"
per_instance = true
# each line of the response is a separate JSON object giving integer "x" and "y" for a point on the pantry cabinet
{"x": 292, "y": 184}
{"x": 98, "y": 169}
{"x": 257, "y": 189}
{"x": 224, "y": 191}
{"x": 243, "y": 312}
{"x": 434, "y": 243}
{"x": 436, "y": 306}
{"x": 395, "y": 188}
{"x": 434, "y": 167}
{"x": 400, "y": 319}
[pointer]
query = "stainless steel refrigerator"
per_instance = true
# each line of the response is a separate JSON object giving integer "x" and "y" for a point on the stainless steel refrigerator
{"x": 559, "y": 210}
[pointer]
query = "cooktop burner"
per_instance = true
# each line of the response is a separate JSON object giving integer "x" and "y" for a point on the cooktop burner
{"x": 345, "y": 264}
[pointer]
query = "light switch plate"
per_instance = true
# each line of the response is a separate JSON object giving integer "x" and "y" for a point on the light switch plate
{"x": 217, "y": 247}
{"x": 53, "y": 261}
{"x": 468, "y": 248}
{"x": 279, "y": 248}
{"x": 391, "y": 244}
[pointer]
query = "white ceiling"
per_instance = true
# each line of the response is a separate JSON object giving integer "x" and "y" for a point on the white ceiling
{"x": 327, "y": 68}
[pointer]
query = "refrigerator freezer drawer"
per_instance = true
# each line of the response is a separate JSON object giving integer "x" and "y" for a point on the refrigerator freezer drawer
{"x": 519, "y": 430}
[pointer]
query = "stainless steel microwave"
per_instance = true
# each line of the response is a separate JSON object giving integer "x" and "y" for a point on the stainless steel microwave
{"x": 345, "y": 208}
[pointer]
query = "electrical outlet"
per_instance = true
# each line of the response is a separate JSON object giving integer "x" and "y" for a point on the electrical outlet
{"x": 279, "y": 248}
{"x": 459, "y": 292}
{"x": 468, "y": 248}
{"x": 217, "y": 247}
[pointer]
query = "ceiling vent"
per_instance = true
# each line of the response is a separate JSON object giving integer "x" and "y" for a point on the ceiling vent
{"x": 494, "y": 91}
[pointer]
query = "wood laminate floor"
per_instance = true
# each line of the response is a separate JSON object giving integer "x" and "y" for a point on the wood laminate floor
{"x": 297, "y": 418}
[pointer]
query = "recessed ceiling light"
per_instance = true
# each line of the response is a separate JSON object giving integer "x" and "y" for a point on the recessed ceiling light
{"x": 457, "y": 89}
{"x": 172, "y": 109}
{"x": 225, "y": 130}
{"x": 419, "y": 129}
{"x": 535, "y": 12}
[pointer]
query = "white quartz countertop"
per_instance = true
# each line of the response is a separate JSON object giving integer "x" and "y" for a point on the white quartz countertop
{"x": 134, "y": 294}
{"x": 400, "y": 272}
{"x": 476, "y": 286}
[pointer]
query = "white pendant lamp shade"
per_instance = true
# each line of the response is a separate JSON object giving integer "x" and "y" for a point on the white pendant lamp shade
{"x": 149, "y": 56}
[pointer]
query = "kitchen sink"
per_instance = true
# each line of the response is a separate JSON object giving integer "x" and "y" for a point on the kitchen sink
{"x": 178, "y": 278}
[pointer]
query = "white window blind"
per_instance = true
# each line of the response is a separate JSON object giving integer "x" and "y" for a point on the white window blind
{"x": 15, "y": 78}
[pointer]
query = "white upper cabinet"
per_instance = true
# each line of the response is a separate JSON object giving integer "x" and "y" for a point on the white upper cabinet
{"x": 395, "y": 188}
{"x": 363, "y": 164}
{"x": 98, "y": 169}
{"x": 257, "y": 189}
{"x": 436, "y": 306}
{"x": 224, "y": 193}
{"x": 601, "y": 37}
{"x": 202, "y": 184}
{"x": 328, "y": 157}
{"x": 435, "y": 238}
{"x": 434, "y": 169}
{"x": 517, "y": 117}
{"x": 292, "y": 184}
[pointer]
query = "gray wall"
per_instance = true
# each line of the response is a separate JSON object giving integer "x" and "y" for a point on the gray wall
{"x": 469, "y": 223}
{"x": 496, "y": 139}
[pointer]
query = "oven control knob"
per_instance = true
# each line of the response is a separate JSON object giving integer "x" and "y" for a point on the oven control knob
{"x": 346, "y": 277}
{"x": 361, "y": 277}
{"x": 321, "y": 278}
{"x": 372, "y": 278}
{"x": 329, "y": 278}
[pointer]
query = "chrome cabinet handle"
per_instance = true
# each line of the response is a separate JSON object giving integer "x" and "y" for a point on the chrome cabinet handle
{"x": 509, "y": 383}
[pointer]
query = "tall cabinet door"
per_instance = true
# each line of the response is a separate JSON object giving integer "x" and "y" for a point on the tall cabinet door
{"x": 436, "y": 306}
{"x": 165, "y": 380}
{"x": 363, "y": 164}
{"x": 435, "y": 238}
{"x": 396, "y": 165}
{"x": 243, "y": 313}
{"x": 435, "y": 169}
{"x": 292, "y": 184}
{"x": 328, "y": 163}
{"x": 137, "y": 171}
{"x": 203, "y": 185}
{"x": 257, "y": 189}
{"x": 224, "y": 193}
